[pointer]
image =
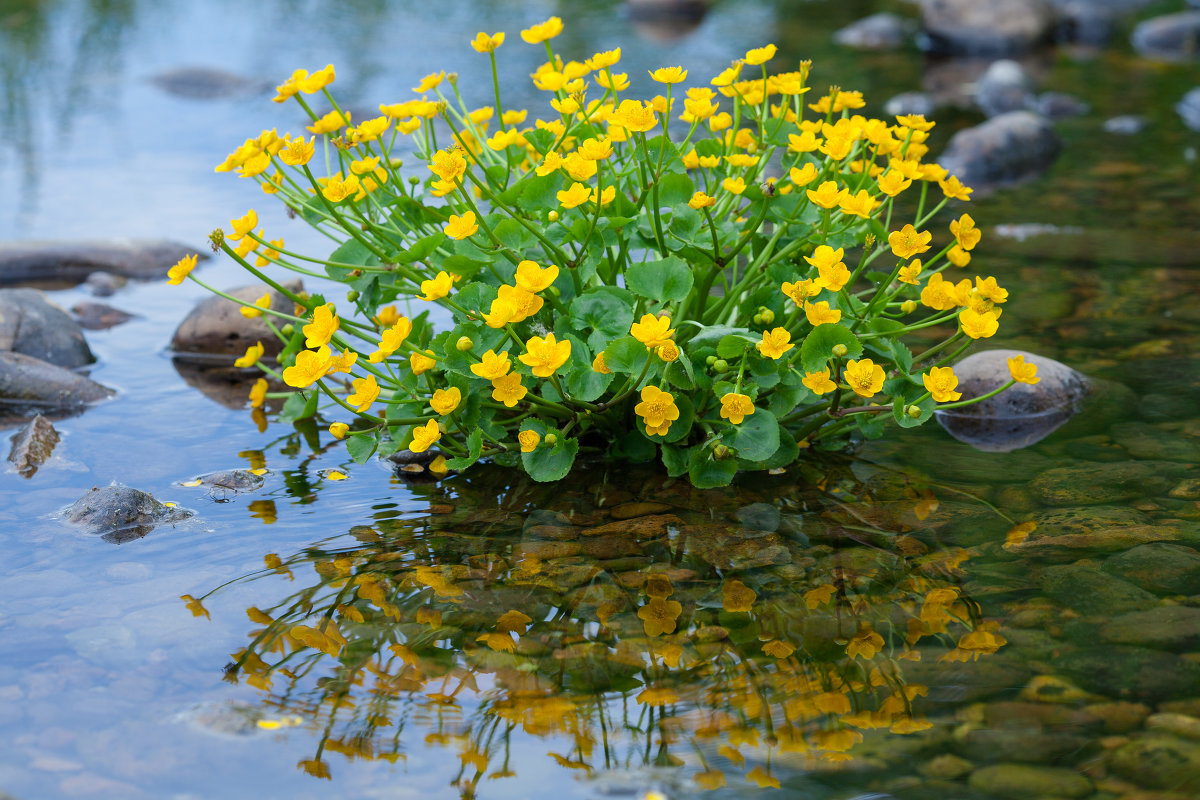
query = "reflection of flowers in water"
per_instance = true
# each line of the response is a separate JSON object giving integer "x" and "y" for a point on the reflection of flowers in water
{"x": 623, "y": 648}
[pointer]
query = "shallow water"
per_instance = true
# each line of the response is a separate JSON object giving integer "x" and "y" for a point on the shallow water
{"x": 110, "y": 687}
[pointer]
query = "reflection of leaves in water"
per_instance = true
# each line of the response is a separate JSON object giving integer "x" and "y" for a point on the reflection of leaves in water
{"x": 670, "y": 639}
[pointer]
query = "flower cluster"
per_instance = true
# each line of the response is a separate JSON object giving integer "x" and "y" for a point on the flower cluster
{"x": 699, "y": 276}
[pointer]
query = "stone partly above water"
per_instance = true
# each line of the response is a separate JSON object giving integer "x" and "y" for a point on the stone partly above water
{"x": 216, "y": 327}
{"x": 32, "y": 446}
{"x": 229, "y": 480}
{"x": 121, "y": 513}
{"x": 26, "y": 381}
{"x": 1005, "y": 150}
{"x": 32, "y": 325}
{"x": 72, "y": 262}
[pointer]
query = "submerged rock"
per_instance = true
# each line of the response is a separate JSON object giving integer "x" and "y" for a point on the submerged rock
{"x": 1090, "y": 591}
{"x": 969, "y": 27}
{"x": 98, "y": 316}
{"x": 33, "y": 326}
{"x": 206, "y": 83}
{"x": 1135, "y": 673}
{"x": 1005, "y": 150}
{"x": 1172, "y": 37}
{"x": 1095, "y": 484}
{"x": 216, "y": 327}
{"x": 1022, "y": 781}
{"x": 1158, "y": 761}
{"x": 229, "y": 481}
{"x": 32, "y": 446}
{"x": 121, "y": 513}
{"x": 882, "y": 31}
{"x": 71, "y": 262}
{"x": 1126, "y": 124}
{"x": 1146, "y": 441}
{"x": 1163, "y": 628}
{"x": 27, "y": 381}
{"x": 1057, "y": 105}
{"x": 1161, "y": 567}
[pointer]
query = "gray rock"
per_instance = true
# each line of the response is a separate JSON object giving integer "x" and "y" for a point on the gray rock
{"x": 1020, "y": 415}
{"x": 1172, "y": 37}
{"x": 216, "y": 327}
{"x": 910, "y": 103}
{"x": 72, "y": 262}
{"x": 121, "y": 513}
{"x": 26, "y": 381}
{"x": 1126, "y": 124}
{"x": 1094, "y": 484}
{"x": 1131, "y": 673}
{"x": 206, "y": 83}
{"x": 32, "y": 446}
{"x": 1169, "y": 569}
{"x": 1163, "y": 628}
{"x": 1005, "y": 150}
{"x": 33, "y": 326}
{"x": 969, "y": 27}
{"x": 1057, "y": 105}
{"x": 1189, "y": 109}
{"x": 1004, "y": 87}
{"x": 1021, "y": 781}
{"x": 1158, "y": 761}
{"x": 666, "y": 20}
{"x": 1092, "y": 592}
{"x": 228, "y": 480}
{"x": 882, "y": 31}
{"x": 98, "y": 316}
{"x": 104, "y": 284}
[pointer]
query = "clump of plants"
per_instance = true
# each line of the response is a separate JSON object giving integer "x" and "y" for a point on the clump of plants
{"x": 715, "y": 276}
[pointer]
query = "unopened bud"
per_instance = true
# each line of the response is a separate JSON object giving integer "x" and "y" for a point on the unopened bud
{"x": 768, "y": 316}
{"x": 840, "y": 350}
{"x": 908, "y": 306}
{"x": 464, "y": 343}
{"x": 913, "y": 411}
{"x": 352, "y": 295}
{"x": 552, "y": 216}
{"x": 414, "y": 180}
{"x": 720, "y": 365}
{"x": 722, "y": 453}
{"x": 551, "y": 439}
{"x": 288, "y": 330}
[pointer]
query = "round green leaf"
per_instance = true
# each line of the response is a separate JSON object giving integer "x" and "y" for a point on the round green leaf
{"x": 818, "y": 346}
{"x": 664, "y": 280}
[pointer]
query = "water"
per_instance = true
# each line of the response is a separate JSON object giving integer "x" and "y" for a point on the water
{"x": 112, "y": 688}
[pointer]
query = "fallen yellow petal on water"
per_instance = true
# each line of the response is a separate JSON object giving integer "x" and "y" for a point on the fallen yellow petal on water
{"x": 335, "y": 475}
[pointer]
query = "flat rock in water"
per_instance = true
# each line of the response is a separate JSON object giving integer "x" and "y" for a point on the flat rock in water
{"x": 1159, "y": 761}
{"x": 33, "y": 261}
{"x": 995, "y": 27}
{"x": 98, "y": 316}
{"x": 121, "y": 513}
{"x": 216, "y": 327}
{"x": 29, "y": 381}
{"x": 1093, "y": 592}
{"x": 206, "y": 83}
{"x": 1189, "y": 109}
{"x": 32, "y": 446}
{"x": 1160, "y": 567}
{"x": 1134, "y": 673}
{"x": 1172, "y": 37}
{"x": 882, "y": 31}
{"x": 230, "y": 480}
{"x": 1163, "y": 628}
{"x": 1005, "y": 150}
{"x": 31, "y": 325}
{"x": 1095, "y": 484}
{"x": 1021, "y": 781}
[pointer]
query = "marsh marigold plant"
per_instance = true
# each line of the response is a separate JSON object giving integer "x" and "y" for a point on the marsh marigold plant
{"x": 714, "y": 276}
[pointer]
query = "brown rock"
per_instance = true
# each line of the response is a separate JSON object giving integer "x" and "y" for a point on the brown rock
{"x": 32, "y": 446}
{"x": 640, "y": 527}
{"x": 216, "y": 327}
{"x": 631, "y": 510}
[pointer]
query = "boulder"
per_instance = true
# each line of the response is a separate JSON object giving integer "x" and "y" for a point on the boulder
{"x": 1094, "y": 484}
{"x": 33, "y": 326}
{"x": 104, "y": 284}
{"x": 1132, "y": 673}
{"x": 1163, "y": 628}
{"x": 121, "y": 513}
{"x": 882, "y": 31}
{"x": 1004, "y": 87}
{"x": 910, "y": 103}
{"x": 216, "y": 327}
{"x": 969, "y": 27}
{"x": 27, "y": 381}
{"x": 1057, "y": 105}
{"x": 72, "y": 262}
{"x": 1007, "y": 149}
{"x": 666, "y": 20}
{"x": 1172, "y": 37}
{"x": 1092, "y": 592}
{"x": 98, "y": 316}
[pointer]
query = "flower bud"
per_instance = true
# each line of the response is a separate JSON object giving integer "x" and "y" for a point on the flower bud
{"x": 913, "y": 411}
{"x": 757, "y": 319}
{"x": 551, "y": 439}
{"x": 840, "y": 350}
{"x": 552, "y": 216}
{"x": 555, "y": 291}
{"x": 708, "y": 362}
{"x": 722, "y": 453}
{"x": 720, "y": 365}
{"x": 768, "y": 316}
{"x": 464, "y": 343}
{"x": 414, "y": 180}
{"x": 288, "y": 330}
{"x": 908, "y": 306}
{"x": 352, "y": 295}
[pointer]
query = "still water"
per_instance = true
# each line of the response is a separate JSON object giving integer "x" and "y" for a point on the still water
{"x": 866, "y": 623}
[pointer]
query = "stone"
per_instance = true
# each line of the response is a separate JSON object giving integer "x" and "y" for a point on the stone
{"x": 31, "y": 325}
{"x": 1146, "y": 441}
{"x": 1181, "y": 725}
{"x": 216, "y": 327}
{"x": 1131, "y": 673}
{"x": 1022, "y": 781}
{"x": 1020, "y": 415}
{"x": 946, "y": 767}
{"x": 104, "y": 284}
{"x": 1164, "y": 627}
{"x": 1026, "y": 744}
{"x": 969, "y": 27}
{"x": 1189, "y": 109}
{"x": 121, "y": 513}
{"x": 1171, "y": 37}
{"x": 1126, "y": 124}
{"x": 206, "y": 83}
{"x": 666, "y": 20}
{"x": 32, "y": 446}
{"x": 1005, "y": 150}
{"x": 71, "y": 262}
{"x": 1005, "y": 86}
{"x": 27, "y": 381}
{"x": 637, "y": 509}
{"x": 910, "y": 103}
{"x": 1058, "y": 105}
{"x": 1159, "y": 761}
{"x": 1188, "y": 489}
{"x": 1161, "y": 567}
{"x": 1090, "y": 591}
{"x": 1105, "y": 483}
{"x": 98, "y": 316}
{"x": 228, "y": 480}
{"x": 882, "y": 31}
{"x": 1119, "y": 717}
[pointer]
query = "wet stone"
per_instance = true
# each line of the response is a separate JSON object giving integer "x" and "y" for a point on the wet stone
{"x": 98, "y": 316}
{"x": 1005, "y": 86}
{"x": 946, "y": 767}
{"x": 1188, "y": 489}
{"x": 1146, "y": 441}
{"x": 230, "y": 480}
{"x": 636, "y": 509}
{"x": 1027, "y": 744}
{"x": 1161, "y": 567}
{"x": 1189, "y": 109}
{"x": 1096, "y": 484}
{"x": 121, "y": 513}
{"x": 1005, "y": 150}
{"x": 910, "y": 103}
{"x": 205, "y": 83}
{"x": 1090, "y": 591}
{"x": 1057, "y": 105}
{"x": 1119, "y": 717}
{"x": 1160, "y": 762}
{"x": 882, "y": 31}
{"x": 1133, "y": 673}
{"x": 1171, "y": 37}
{"x": 1126, "y": 124}
{"x": 28, "y": 381}
{"x": 32, "y": 446}
{"x": 31, "y": 325}
{"x": 71, "y": 262}
{"x": 1069, "y": 533}
{"x": 968, "y": 27}
{"x": 1165, "y": 628}
{"x": 216, "y": 327}
{"x": 1021, "y": 781}
{"x": 1181, "y": 725}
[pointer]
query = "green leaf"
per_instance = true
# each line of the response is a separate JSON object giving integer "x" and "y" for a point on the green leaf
{"x": 678, "y": 375}
{"x": 685, "y": 223}
{"x": 551, "y": 462}
{"x": 513, "y": 234}
{"x": 474, "y": 448}
{"x": 675, "y": 188}
{"x": 665, "y": 280}
{"x": 633, "y": 446}
{"x": 583, "y": 382}
{"x": 733, "y": 346}
{"x": 541, "y": 139}
{"x": 297, "y": 406}
{"x": 706, "y": 473}
{"x": 784, "y": 454}
{"x": 361, "y": 447}
{"x": 539, "y": 193}
{"x": 607, "y": 310}
{"x": 756, "y": 438}
{"x": 818, "y": 346}
{"x": 352, "y": 251}
{"x": 626, "y": 355}
{"x": 676, "y": 459}
{"x": 900, "y": 409}
{"x": 463, "y": 266}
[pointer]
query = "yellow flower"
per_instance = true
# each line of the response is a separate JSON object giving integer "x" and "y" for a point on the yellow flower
{"x": 667, "y": 351}
{"x": 253, "y": 354}
{"x": 865, "y": 644}
{"x": 939, "y": 293}
{"x": 324, "y": 324}
{"x": 652, "y": 331}
{"x": 338, "y": 430}
{"x": 658, "y": 616}
{"x": 529, "y": 440}
{"x": 258, "y": 392}
{"x": 298, "y": 151}
{"x": 607, "y": 58}
{"x": 484, "y": 44}
{"x": 550, "y": 163}
{"x": 524, "y": 304}
{"x": 545, "y": 355}
{"x": 965, "y": 232}
{"x": 330, "y": 122}
{"x": 508, "y": 389}
{"x": 424, "y": 436}
{"x": 335, "y": 189}
{"x": 533, "y": 278}
{"x": 461, "y": 227}
{"x": 599, "y": 366}
{"x": 978, "y": 325}
{"x": 941, "y": 382}
{"x": 831, "y": 269}
{"x": 827, "y": 195}
{"x": 492, "y": 366}
{"x": 421, "y": 363}
{"x": 250, "y": 312}
{"x": 310, "y": 367}
{"x": 578, "y": 167}
{"x": 634, "y": 116}
{"x": 737, "y": 597}
{"x": 958, "y": 257}
{"x": 430, "y": 82}
{"x": 908, "y": 242}
{"x": 1021, "y": 371}
{"x": 657, "y": 411}
{"x": 819, "y": 382}
{"x": 318, "y": 80}
{"x": 860, "y": 204}
{"x": 779, "y": 649}
{"x": 803, "y": 176}
{"x": 595, "y": 149}
{"x": 669, "y": 75}
{"x": 391, "y": 339}
{"x": 574, "y": 196}
{"x": 543, "y": 31}
{"x": 290, "y": 87}
{"x": 820, "y": 313}
{"x": 500, "y": 313}
{"x": 800, "y": 291}
{"x": 607, "y": 196}
{"x": 760, "y": 55}
{"x": 448, "y": 164}
{"x": 734, "y": 185}
{"x": 194, "y": 606}
{"x": 445, "y": 400}
{"x": 242, "y": 226}
{"x": 864, "y": 377}
{"x": 736, "y": 407}
{"x": 775, "y": 343}
{"x": 701, "y": 200}
{"x": 911, "y": 273}
{"x": 952, "y": 187}
{"x": 365, "y": 391}
{"x": 438, "y": 287}
{"x": 893, "y": 182}
{"x": 182, "y": 269}
{"x": 988, "y": 289}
